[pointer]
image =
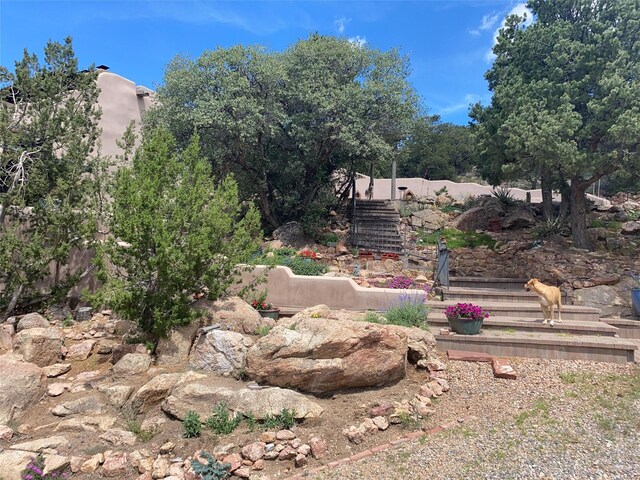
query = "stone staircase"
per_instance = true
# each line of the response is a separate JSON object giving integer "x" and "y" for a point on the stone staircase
{"x": 515, "y": 327}
{"x": 375, "y": 227}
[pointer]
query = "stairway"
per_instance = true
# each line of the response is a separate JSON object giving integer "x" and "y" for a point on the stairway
{"x": 375, "y": 227}
{"x": 515, "y": 326}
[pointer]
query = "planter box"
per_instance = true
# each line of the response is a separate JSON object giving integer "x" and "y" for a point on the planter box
{"x": 464, "y": 326}
{"x": 272, "y": 313}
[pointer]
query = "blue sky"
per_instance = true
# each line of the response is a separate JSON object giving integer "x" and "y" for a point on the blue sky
{"x": 448, "y": 41}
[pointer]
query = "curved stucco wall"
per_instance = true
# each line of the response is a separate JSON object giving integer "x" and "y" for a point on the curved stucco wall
{"x": 120, "y": 105}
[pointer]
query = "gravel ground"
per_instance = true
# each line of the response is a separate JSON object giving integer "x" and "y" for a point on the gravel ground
{"x": 558, "y": 420}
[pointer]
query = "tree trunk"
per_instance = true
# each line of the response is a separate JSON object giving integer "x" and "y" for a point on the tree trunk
{"x": 565, "y": 204}
{"x": 547, "y": 194}
{"x": 17, "y": 294}
{"x": 578, "y": 217}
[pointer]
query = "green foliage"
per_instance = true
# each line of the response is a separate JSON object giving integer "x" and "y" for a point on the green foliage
{"x": 222, "y": 421}
{"x": 212, "y": 469}
{"x": 68, "y": 321}
{"x": 566, "y": 100}
{"x": 175, "y": 232}
{"x": 408, "y": 313}
{"x": 287, "y": 257}
{"x": 285, "y": 122}
{"x": 456, "y": 238}
{"x": 285, "y": 419}
{"x": 50, "y": 175}
{"x": 550, "y": 228}
{"x": 143, "y": 435}
{"x": 435, "y": 150}
{"x": 329, "y": 237}
{"x": 504, "y": 195}
{"x": 191, "y": 425}
{"x": 263, "y": 330}
{"x": 409, "y": 421}
{"x": 374, "y": 317}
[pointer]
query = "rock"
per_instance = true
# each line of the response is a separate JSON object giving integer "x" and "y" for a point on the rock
{"x": 426, "y": 392}
{"x": 287, "y": 453}
{"x": 233, "y": 459}
{"x": 119, "y": 351}
{"x": 118, "y": 437}
{"x": 13, "y": 462}
{"x": 233, "y": 314}
{"x": 152, "y": 393}
{"x": 520, "y": 218}
{"x": 160, "y": 468}
{"x": 631, "y": 228}
{"x": 355, "y": 434}
{"x": 431, "y": 219}
{"x": 243, "y": 472}
{"x": 300, "y": 460}
{"x": 117, "y": 394}
{"x": 604, "y": 297}
{"x": 317, "y": 311}
{"x": 380, "y": 422}
{"x": 92, "y": 464}
{"x": 83, "y": 405}
{"x": 473, "y": 219}
{"x": 501, "y": 369}
{"x": 115, "y": 465}
{"x": 32, "y": 320}
{"x": 41, "y": 346}
{"x": 75, "y": 463}
{"x": 5, "y": 433}
{"x": 41, "y": 444}
{"x": 89, "y": 423}
{"x": 201, "y": 395}
{"x": 55, "y": 464}
{"x": 22, "y": 385}
{"x": 174, "y": 350}
{"x": 167, "y": 448}
{"x": 80, "y": 351}
{"x": 151, "y": 424}
{"x": 291, "y": 234}
{"x": 321, "y": 356}
{"x": 57, "y": 389}
{"x": 254, "y": 451}
{"x": 268, "y": 437}
{"x": 83, "y": 314}
{"x": 285, "y": 435}
{"x": 57, "y": 369}
{"x": 6, "y": 338}
{"x": 421, "y": 344}
{"x": 220, "y": 352}
{"x": 132, "y": 364}
{"x": 381, "y": 410}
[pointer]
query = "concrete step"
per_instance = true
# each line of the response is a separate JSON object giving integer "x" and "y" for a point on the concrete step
{"x": 627, "y": 328}
{"x": 560, "y": 346}
{"x": 488, "y": 282}
{"x": 491, "y": 295}
{"x": 520, "y": 325}
{"x": 524, "y": 310}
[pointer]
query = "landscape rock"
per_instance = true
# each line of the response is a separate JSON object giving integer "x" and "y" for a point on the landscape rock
{"x": 291, "y": 234}
{"x": 41, "y": 346}
{"x": 320, "y": 356}
{"x": 201, "y": 395}
{"x": 13, "y": 462}
{"x": 431, "y": 219}
{"x": 32, "y": 320}
{"x": 234, "y": 314}
{"x": 57, "y": 389}
{"x": 519, "y": 218}
{"x": 152, "y": 393}
{"x": 220, "y": 351}
{"x": 631, "y": 228}
{"x": 80, "y": 351}
{"x": 160, "y": 468}
{"x": 40, "y": 444}
{"x": 502, "y": 369}
{"x": 6, "y": 338}
{"x": 57, "y": 369}
{"x": 90, "y": 423}
{"x": 233, "y": 459}
{"x": 380, "y": 422}
{"x": 117, "y": 436}
{"x": 22, "y": 385}
{"x": 115, "y": 465}
{"x": 83, "y": 405}
{"x": 132, "y": 364}
{"x": 604, "y": 297}
{"x": 174, "y": 350}
{"x": 473, "y": 219}
{"x": 421, "y": 344}
{"x": 55, "y": 464}
{"x": 92, "y": 464}
{"x": 5, "y": 433}
{"x": 254, "y": 451}
{"x": 117, "y": 394}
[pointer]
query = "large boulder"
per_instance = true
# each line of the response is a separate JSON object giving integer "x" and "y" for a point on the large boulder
{"x": 234, "y": 314}
{"x": 6, "y": 338}
{"x": 32, "y": 320}
{"x": 604, "y": 297}
{"x": 203, "y": 395}
{"x": 22, "y": 385}
{"x": 291, "y": 234}
{"x": 174, "y": 349}
{"x": 421, "y": 344}
{"x": 154, "y": 391}
{"x": 220, "y": 351}
{"x": 13, "y": 463}
{"x": 431, "y": 219}
{"x": 519, "y": 218}
{"x": 473, "y": 219}
{"x": 319, "y": 355}
{"x": 631, "y": 228}
{"x": 42, "y": 346}
{"x": 132, "y": 364}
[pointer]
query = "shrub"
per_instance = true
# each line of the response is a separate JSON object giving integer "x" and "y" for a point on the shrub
{"x": 408, "y": 312}
{"x": 374, "y": 317}
{"x": 328, "y": 238}
{"x": 285, "y": 419}
{"x": 504, "y": 195}
{"x": 400, "y": 282}
{"x": 550, "y": 228}
{"x": 35, "y": 471}
{"x": 222, "y": 421}
{"x": 263, "y": 330}
{"x": 299, "y": 263}
{"x": 305, "y": 266}
{"x": 456, "y": 238}
{"x": 212, "y": 470}
{"x": 191, "y": 425}
{"x": 175, "y": 232}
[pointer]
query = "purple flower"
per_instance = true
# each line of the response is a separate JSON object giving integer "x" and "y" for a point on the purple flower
{"x": 466, "y": 311}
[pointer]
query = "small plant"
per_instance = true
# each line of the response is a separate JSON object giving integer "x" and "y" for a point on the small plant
{"x": 456, "y": 238}
{"x": 262, "y": 330}
{"x": 68, "y": 321}
{"x": 251, "y": 420}
{"x": 408, "y": 421}
{"x": 223, "y": 422}
{"x": 504, "y": 195}
{"x": 285, "y": 419}
{"x": 212, "y": 470}
{"x": 191, "y": 425}
{"x": 408, "y": 312}
{"x": 400, "y": 282}
{"x": 330, "y": 238}
{"x": 150, "y": 346}
{"x": 143, "y": 435}
{"x": 466, "y": 311}
{"x": 374, "y": 317}
{"x": 442, "y": 191}
{"x": 550, "y": 228}
{"x": 239, "y": 374}
{"x": 305, "y": 266}
{"x": 35, "y": 471}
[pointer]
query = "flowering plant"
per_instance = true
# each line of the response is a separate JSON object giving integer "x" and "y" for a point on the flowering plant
{"x": 261, "y": 303}
{"x": 466, "y": 311}
{"x": 308, "y": 254}
{"x": 35, "y": 471}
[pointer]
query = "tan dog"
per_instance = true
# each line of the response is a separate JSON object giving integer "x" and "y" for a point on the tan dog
{"x": 549, "y": 297}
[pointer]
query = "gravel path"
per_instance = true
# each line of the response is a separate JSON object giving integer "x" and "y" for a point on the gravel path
{"x": 558, "y": 420}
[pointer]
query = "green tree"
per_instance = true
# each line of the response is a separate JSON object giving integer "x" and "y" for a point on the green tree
{"x": 436, "y": 150}
{"x": 566, "y": 98}
{"x": 49, "y": 180}
{"x": 285, "y": 123}
{"x": 175, "y": 232}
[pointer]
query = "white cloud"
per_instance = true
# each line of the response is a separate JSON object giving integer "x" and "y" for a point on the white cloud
{"x": 341, "y": 24}
{"x": 358, "y": 41}
{"x": 522, "y": 11}
{"x": 475, "y": 33}
{"x": 469, "y": 98}
{"x": 488, "y": 21}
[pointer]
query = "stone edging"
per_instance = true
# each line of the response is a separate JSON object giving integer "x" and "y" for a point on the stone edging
{"x": 371, "y": 451}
